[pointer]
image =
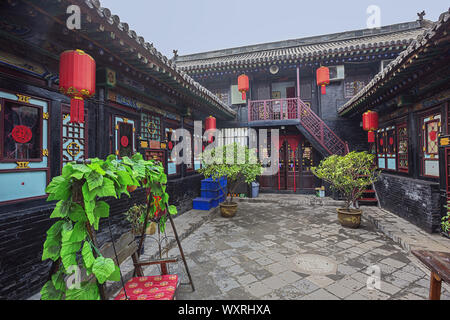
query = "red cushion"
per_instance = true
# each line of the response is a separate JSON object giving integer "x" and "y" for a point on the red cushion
{"x": 150, "y": 288}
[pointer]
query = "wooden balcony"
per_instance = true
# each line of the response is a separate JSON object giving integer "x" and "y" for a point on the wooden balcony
{"x": 295, "y": 111}
{"x": 277, "y": 109}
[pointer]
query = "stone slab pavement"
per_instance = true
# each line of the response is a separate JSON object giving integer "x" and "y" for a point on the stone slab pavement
{"x": 294, "y": 248}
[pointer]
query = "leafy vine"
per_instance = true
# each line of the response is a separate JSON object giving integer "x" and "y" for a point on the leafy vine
{"x": 70, "y": 241}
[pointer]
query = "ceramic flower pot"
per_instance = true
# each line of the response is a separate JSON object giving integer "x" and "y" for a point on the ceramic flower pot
{"x": 131, "y": 188}
{"x": 349, "y": 218}
{"x": 228, "y": 210}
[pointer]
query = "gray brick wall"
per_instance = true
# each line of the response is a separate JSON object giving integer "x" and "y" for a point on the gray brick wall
{"x": 417, "y": 201}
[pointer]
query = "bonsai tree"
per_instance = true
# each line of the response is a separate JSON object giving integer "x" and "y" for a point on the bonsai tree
{"x": 237, "y": 163}
{"x": 349, "y": 174}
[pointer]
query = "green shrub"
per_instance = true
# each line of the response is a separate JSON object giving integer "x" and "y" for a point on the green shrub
{"x": 242, "y": 167}
{"x": 349, "y": 174}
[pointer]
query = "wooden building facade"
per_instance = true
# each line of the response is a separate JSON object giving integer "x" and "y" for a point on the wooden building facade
{"x": 141, "y": 97}
{"x": 412, "y": 97}
{"x": 284, "y": 92}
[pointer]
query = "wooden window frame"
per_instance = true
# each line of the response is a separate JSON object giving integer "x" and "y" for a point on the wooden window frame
{"x": 3, "y": 102}
{"x": 435, "y": 112}
{"x": 403, "y": 125}
{"x": 65, "y": 108}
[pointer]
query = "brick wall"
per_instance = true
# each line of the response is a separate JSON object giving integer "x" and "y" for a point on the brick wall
{"x": 417, "y": 201}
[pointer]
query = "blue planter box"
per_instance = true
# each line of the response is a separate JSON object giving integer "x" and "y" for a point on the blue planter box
{"x": 210, "y": 184}
{"x": 215, "y": 202}
{"x": 205, "y": 193}
{"x": 202, "y": 204}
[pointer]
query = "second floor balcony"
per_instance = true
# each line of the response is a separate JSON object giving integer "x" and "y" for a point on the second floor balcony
{"x": 275, "y": 109}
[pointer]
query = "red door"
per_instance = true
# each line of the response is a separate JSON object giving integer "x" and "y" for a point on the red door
{"x": 288, "y": 176}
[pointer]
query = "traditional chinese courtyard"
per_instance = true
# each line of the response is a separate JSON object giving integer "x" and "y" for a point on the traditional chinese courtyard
{"x": 293, "y": 247}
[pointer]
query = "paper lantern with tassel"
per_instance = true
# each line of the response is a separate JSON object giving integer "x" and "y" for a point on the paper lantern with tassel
{"x": 77, "y": 81}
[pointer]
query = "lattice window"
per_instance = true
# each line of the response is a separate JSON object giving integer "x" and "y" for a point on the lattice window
{"x": 307, "y": 156}
{"x": 431, "y": 128}
{"x": 402, "y": 136}
{"x": 150, "y": 127}
{"x": 381, "y": 148}
{"x": 197, "y": 152}
{"x": 189, "y": 152}
{"x": 391, "y": 148}
{"x": 293, "y": 159}
{"x": 74, "y": 140}
{"x": 387, "y": 148}
{"x": 172, "y": 167}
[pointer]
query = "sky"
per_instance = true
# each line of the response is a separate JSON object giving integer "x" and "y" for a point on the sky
{"x": 193, "y": 26}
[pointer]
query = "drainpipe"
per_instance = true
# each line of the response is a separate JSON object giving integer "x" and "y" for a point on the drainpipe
{"x": 298, "y": 82}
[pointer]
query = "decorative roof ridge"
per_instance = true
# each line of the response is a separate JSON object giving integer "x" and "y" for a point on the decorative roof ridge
{"x": 419, "y": 42}
{"x": 111, "y": 19}
{"x": 300, "y": 42}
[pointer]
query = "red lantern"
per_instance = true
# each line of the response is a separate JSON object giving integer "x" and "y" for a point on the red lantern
{"x": 77, "y": 81}
{"x": 323, "y": 78}
{"x": 210, "y": 124}
{"x": 243, "y": 86}
{"x": 370, "y": 123}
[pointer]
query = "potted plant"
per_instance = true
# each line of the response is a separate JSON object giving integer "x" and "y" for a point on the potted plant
{"x": 238, "y": 164}
{"x": 350, "y": 175}
{"x": 134, "y": 216}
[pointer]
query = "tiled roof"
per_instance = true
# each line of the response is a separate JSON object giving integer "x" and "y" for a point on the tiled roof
{"x": 394, "y": 69}
{"x": 314, "y": 47}
{"x": 156, "y": 60}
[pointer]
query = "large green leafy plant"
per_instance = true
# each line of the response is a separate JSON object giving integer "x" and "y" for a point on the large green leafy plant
{"x": 349, "y": 174}
{"x": 235, "y": 162}
{"x": 445, "y": 224}
{"x": 70, "y": 241}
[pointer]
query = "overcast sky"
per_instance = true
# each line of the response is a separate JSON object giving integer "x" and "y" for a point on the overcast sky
{"x": 193, "y": 26}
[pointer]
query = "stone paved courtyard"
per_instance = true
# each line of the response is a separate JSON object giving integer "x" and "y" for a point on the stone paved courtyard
{"x": 281, "y": 251}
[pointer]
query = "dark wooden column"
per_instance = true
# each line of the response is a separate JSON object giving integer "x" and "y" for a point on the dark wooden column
{"x": 102, "y": 132}
{"x": 54, "y": 141}
{"x": 413, "y": 146}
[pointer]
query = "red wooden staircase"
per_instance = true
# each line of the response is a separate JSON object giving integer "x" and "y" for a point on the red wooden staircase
{"x": 368, "y": 198}
{"x": 321, "y": 133}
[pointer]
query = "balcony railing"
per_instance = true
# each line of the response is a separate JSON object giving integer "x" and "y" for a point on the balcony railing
{"x": 296, "y": 109}
{"x": 278, "y": 109}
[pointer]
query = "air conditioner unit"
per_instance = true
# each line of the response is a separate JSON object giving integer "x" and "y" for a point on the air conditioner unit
{"x": 337, "y": 73}
{"x": 384, "y": 63}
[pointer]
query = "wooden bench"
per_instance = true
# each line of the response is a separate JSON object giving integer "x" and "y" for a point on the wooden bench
{"x": 140, "y": 287}
{"x": 439, "y": 264}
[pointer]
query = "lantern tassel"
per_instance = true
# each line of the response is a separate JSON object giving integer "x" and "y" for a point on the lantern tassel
{"x": 77, "y": 110}
{"x": 371, "y": 137}
{"x": 324, "y": 90}
{"x": 244, "y": 95}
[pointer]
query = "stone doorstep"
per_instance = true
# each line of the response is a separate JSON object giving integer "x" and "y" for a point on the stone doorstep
{"x": 299, "y": 199}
